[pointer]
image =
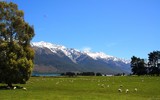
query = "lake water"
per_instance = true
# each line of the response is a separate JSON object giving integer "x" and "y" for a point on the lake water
{"x": 52, "y": 74}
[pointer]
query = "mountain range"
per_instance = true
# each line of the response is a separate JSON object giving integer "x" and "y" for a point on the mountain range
{"x": 52, "y": 58}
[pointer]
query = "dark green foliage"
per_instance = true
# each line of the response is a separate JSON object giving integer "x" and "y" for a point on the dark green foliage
{"x": 98, "y": 74}
{"x": 154, "y": 65}
{"x": 16, "y": 54}
{"x": 70, "y": 74}
{"x": 87, "y": 74}
{"x": 138, "y": 66}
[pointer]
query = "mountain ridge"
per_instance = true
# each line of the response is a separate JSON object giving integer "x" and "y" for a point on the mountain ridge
{"x": 69, "y": 51}
{"x": 77, "y": 60}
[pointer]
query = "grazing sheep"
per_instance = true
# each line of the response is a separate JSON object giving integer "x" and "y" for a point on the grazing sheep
{"x": 135, "y": 90}
{"x": 102, "y": 86}
{"x": 71, "y": 81}
{"x": 14, "y": 88}
{"x": 24, "y": 88}
{"x": 127, "y": 90}
{"x": 57, "y": 83}
{"x": 119, "y": 90}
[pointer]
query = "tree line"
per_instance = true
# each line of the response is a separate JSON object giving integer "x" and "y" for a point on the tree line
{"x": 151, "y": 67}
{"x": 71, "y": 74}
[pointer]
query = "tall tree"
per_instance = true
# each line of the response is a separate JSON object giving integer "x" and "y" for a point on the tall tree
{"x": 138, "y": 66}
{"x": 134, "y": 64}
{"x": 16, "y": 54}
{"x": 154, "y": 65}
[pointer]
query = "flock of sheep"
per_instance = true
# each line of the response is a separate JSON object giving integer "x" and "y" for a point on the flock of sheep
{"x": 127, "y": 90}
{"x": 120, "y": 89}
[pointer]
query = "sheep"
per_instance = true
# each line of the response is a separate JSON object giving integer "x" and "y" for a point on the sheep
{"x": 24, "y": 88}
{"x": 135, "y": 89}
{"x": 14, "y": 88}
{"x": 121, "y": 86}
{"x": 71, "y": 81}
{"x": 102, "y": 86}
{"x": 127, "y": 90}
{"x": 57, "y": 83}
{"x": 119, "y": 90}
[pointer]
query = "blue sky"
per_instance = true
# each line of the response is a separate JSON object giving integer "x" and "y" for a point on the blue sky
{"x": 121, "y": 28}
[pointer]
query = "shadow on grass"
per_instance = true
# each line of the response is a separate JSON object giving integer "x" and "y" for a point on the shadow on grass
{"x": 10, "y": 88}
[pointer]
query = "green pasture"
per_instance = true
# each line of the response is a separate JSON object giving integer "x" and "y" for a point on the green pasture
{"x": 86, "y": 88}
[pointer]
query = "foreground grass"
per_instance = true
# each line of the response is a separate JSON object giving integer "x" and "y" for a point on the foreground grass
{"x": 86, "y": 88}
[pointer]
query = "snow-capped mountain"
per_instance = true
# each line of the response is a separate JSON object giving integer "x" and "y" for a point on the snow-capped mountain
{"x": 101, "y": 55}
{"x": 79, "y": 60}
{"x": 73, "y": 53}
{"x": 56, "y": 48}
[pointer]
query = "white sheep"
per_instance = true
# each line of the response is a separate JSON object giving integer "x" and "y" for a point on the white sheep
{"x": 119, "y": 90}
{"x": 135, "y": 89}
{"x": 24, "y": 88}
{"x": 71, "y": 81}
{"x": 14, "y": 88}
{"x": 127, "y": 90}
{"x": 102, "y": 86}
{"x": 57, "y": 83}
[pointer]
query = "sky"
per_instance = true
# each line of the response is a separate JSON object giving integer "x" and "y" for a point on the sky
{"x": 121, "y": 28}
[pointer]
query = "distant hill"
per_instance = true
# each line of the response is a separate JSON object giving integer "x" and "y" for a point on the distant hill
{"x": 51, "y": 58}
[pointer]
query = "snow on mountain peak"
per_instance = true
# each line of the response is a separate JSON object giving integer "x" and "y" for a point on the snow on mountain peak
{"x": 96, "y": 55}
{"x": 54, "y": 48}
{"x": 70, "y": 52}
{"x": 101, "y": 55}
{"x": 47, "y": 45}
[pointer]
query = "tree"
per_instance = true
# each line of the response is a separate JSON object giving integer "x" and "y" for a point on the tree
{"x": 98, "y": 74}
{"x": 16, "y": 54}
{"x": 138, "y": 66}
{"x": 70, "y": 74}
{"x": 88, "y": 74}
{"x": 154, "y": 65}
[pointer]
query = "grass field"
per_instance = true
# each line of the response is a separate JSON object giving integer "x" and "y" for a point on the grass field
{"x": 86, "y": 88}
